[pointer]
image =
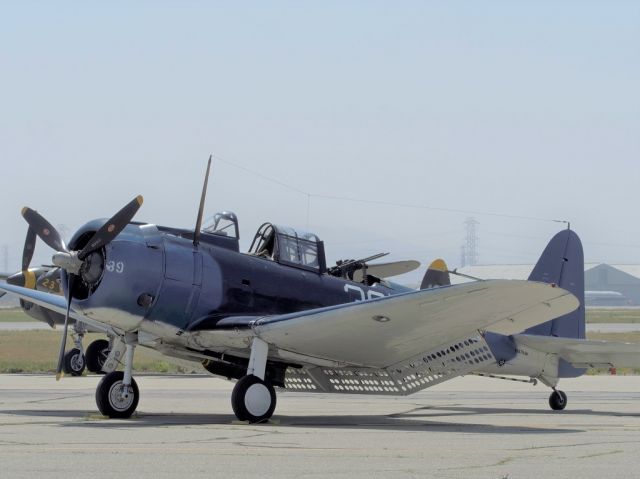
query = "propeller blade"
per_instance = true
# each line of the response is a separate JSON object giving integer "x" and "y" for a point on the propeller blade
{"x": 112, "y": 227}
{"x": 25, "y": 279}
{"x": 44, "y": 229}
{"x": 29, "y": 247}
{"x": 63, "y": 341}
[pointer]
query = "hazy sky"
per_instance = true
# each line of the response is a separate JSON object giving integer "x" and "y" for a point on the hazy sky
{"x": 528, "y": 109}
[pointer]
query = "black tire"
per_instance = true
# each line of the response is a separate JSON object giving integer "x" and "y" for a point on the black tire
{"x": 74, "y": 362}
{"x": 558, "y": 400}
{"x": 108, "y": 398}
{"x": 253, "y": 399}
{"x": 96, "y": 355}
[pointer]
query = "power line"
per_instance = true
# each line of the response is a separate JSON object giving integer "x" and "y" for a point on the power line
{"x": 434, "y": 208}
{"x": 261, "y": 175}
{"x": 310, "y": 195}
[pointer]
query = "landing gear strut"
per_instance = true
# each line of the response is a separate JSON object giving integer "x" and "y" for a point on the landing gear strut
{"x": 558, "y": 400}
{"x": 117, "y": 394}
{"x": 253, "y": 399}
{"x": 93, "y": 358}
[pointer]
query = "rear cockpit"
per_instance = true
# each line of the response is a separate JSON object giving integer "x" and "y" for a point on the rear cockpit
{"x": 288, "y": 246}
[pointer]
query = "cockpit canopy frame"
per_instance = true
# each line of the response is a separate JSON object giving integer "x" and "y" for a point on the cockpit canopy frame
{"x": 291, "y": 247}
{"x": 223, "y": 223}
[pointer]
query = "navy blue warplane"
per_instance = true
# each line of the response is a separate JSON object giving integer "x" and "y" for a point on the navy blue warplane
{"x": 278, "y": 316}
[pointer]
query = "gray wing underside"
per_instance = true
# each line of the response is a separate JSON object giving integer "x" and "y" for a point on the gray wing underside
{"x": 584, "y": 352}
{"x": 437, "y": 327}
{"x": 437, "y": 336}
{"x": 397, "y": 344}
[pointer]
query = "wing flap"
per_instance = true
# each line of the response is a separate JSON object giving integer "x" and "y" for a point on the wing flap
{"x": 584, "y": 352}
{"x": 382, "y": 332}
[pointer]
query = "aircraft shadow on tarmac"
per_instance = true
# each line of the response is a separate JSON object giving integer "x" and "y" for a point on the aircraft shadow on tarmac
{"x": 452, "y": 411}
{"x": 418, "y": 419}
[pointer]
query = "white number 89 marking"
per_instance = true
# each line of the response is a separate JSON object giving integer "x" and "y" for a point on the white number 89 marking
{"x": 114, "y": 267}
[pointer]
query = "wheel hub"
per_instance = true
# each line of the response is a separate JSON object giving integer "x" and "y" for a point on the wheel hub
{"x": 257, "y": 399}
{"x": 120, "y": 396}
{"x": 77, "y": 362}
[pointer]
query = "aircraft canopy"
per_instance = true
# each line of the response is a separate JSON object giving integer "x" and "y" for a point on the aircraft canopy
{"x": 289, "y": 246}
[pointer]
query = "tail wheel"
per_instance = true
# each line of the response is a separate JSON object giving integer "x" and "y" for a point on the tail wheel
{"x": 74, "y": 362}
{"x": 558, "y": 400}
{"x": 253, "y": 399}
{"x": 96, "y": 355}
{"x": 114, "y": 399}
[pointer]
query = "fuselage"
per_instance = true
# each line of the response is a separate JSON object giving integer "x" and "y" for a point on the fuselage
{"x": 160, "y": 276}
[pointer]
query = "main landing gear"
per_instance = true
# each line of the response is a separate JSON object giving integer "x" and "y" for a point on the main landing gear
{"x": 557, "y": 400}
{"x": 96, "y": 355}
{"x": 253, "y": 399}
{"x": 117, "y": 394}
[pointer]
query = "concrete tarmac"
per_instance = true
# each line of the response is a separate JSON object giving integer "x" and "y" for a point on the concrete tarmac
{"x": 469, "y": 427}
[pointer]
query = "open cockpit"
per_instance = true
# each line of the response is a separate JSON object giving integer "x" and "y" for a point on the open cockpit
{"x": 288, "y": 246}
{"x": 285, "y": 245}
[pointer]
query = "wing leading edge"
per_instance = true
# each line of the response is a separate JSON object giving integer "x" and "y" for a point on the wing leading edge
{"x": 52, "y": 302}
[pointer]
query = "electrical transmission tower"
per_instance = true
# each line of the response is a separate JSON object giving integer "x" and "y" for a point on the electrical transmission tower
{"x": 470, "y": 247}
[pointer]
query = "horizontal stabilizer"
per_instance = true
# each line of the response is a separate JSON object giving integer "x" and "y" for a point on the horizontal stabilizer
{"x": 387, "y": 270}
{"x": 584, "y": 352}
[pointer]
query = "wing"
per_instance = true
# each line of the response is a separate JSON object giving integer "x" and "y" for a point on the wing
{"x": 386, "y": 270}
{"x": 381, "y": 332}
{"x": 52, "y": 302}
{"x": 583, "y": 352}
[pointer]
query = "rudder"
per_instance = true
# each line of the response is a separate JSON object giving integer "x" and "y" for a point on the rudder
{"x": 562, "y": 263}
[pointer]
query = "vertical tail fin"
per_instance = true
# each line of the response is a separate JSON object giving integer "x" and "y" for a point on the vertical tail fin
{"x": 562, "y": 263}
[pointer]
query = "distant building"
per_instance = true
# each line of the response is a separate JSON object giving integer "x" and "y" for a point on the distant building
{"x": 605, "y": 284}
